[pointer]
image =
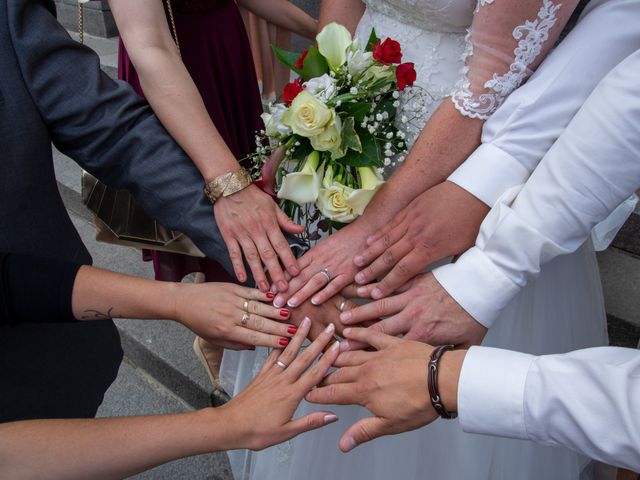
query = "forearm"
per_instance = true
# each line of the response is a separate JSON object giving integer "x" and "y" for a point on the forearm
{"x": 285, "y": 14}
{"x": 106, "y": 448}
{"x": 345, "y": 12}
{"x": 99, "y": 294}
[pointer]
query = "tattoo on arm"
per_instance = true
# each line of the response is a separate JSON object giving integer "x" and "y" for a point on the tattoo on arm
{"x": 98, "y": 315}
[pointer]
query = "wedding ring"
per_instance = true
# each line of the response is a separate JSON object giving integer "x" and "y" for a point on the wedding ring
{"x": 342, "y": 305}
{"x": 325, "y": 272}
{"x": 245, "y": 319}
{"x": 245, "y": 306}
{"x": 281, "y": 364}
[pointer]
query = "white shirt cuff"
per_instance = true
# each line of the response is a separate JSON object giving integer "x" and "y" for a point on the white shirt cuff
{"x": 491, "y": 392}
{"x": 478, "y": 286}
{"x": 506, "y": 172}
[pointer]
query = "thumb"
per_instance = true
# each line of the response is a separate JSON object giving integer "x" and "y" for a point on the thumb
{"x": 287, "y": 224}
{"x": 363, "y": 431}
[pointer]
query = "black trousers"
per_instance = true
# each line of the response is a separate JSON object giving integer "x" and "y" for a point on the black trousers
{"x": 56, "y": 370}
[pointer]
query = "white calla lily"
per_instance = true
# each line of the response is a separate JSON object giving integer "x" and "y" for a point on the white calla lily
{"x": 273, "y": 125}
{"x": 333, "y": 42}
{"x": 304, "y": 186}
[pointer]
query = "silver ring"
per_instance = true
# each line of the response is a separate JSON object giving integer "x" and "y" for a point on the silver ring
{"x": 281, "y": 364}
{"x": 342, "y": 305}
{"x": 325, "y": 272}
{"x": 244, "y": 320}
{"x": 245, "y": 306}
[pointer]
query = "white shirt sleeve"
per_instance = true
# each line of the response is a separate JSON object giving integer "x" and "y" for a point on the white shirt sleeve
{"x": 521, "y": 131}
{"x": 593, "y": 166}
{"x": 586, "y": 400}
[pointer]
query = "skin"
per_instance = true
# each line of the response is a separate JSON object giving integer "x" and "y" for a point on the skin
{"x": 112, "y": 448}
{"x": 284, "y": 14}
{"x": 391, "y": 382}
{"x": 250, "y": 222}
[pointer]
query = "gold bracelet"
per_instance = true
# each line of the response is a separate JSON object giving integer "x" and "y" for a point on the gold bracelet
{"x": 227, "y": 184}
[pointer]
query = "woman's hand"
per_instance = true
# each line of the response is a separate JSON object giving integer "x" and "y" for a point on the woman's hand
{"x": 251, "y": 223}
{"x": 216, "y": 312}
{"x": 261, "y": 415}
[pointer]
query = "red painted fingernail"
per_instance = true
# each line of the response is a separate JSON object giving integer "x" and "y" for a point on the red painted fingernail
{"x": 283, "y": 342}
{"x": 284, "y": 313}
{"x": 292, "y": 330}
{"x": 271, "y": 296}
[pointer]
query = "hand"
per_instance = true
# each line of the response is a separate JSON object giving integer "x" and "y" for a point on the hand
{"x": 390, "y": 382}
{"x": 333, "y": 254}
{"x": 424, "y": 312}
{"x": 214, "y": 311}
{"x": 323, "y": 315}
{"x": 250, "y": 222}
{"x": 260, "y": 416}
{"x": 443, "y": 221}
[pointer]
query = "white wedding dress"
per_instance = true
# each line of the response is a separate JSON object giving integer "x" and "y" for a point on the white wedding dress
{"x": 561, "y": 310}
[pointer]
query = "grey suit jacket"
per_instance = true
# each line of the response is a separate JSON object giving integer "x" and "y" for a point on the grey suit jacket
{"x": 52, "y": 90}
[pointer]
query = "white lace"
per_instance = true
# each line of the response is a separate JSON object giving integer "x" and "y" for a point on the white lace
{"x": 537, "y": 33}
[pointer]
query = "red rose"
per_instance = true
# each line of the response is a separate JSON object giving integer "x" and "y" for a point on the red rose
{"x": 405, "y": 75}
{"x": 300, "y": 62}
{"x": 388, "y": 52}
{"x": 291, "y": 91}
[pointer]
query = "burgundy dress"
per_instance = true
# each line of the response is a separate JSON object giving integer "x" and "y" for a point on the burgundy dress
{"x": 216, "y": 51}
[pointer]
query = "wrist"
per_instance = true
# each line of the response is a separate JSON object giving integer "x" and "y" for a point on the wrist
{"x": 227, "y": 184}
{"x": 449, "y": 376}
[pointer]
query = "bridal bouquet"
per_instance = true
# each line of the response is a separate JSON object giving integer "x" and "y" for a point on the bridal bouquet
{"x": 335, "y": 130}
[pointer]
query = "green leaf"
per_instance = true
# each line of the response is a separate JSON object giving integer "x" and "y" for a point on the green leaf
{"x": 373, "y": 40}
{"x": 356, "y": 110}
{"x": 287, "y": 58}
{"x": 371, "y": 155}
{"x": 314, "y": 65}
{"x": 350, "y": 138}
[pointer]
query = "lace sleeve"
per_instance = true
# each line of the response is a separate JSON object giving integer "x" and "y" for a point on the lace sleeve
{"x": 506, "y": 42}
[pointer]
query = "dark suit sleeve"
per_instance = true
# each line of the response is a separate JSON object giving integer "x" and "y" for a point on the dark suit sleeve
{"x": 35, "y": 290}
{"x": 107, "y": 128}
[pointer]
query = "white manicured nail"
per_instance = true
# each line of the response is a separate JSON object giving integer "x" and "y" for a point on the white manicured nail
{"x": 330, "y": 328}
{"x": 330, "y": 418}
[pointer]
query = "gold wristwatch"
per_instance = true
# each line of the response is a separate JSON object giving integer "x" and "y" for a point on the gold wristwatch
{"x": 227, "y": 184}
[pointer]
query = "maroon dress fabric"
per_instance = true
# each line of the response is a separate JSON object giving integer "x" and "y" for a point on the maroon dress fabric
{"x": 216, "y": 51}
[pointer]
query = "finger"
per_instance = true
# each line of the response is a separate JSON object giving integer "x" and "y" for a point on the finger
{"x": 339, "y": 394}
{"x": 287, "y": 224}
{"x": 342, "y": 375}
{"x": 255, "y": 264}
{"x": 350, "y": 291}
{"x": 351, "y": 358}
{"x": 270, "y": 260}
{"x": 374, "y": 310}
{"x": 265, "y": 325}
{"x": 306, "y": 358}
{"x": 371, "y": 336}
{"x": 383, "y": 243}
{"x": 364, "y": 291}
{"x": 318, "y": 281}
{"x": 384, "y": 262}
{"x": 395, "y": 325}
{"x": 253, "y": 295}
{"x": 309, "y": 422}
{"x": 407, "y": 268}
{"x": 258, "y": 339}
{"x": 364, "y": 431}
{"x": 295, "y": 284}
{"x": 268, "y": 311}
{"x": 315, "y": 374}
{"x": 291, "y": 351}
{"x": 235, "y": 255}
{"x": 331, "y": 290}
{"x": 371, "y": 239}
{"x": 270, "y": 361}
{"x": 283, "y": 250}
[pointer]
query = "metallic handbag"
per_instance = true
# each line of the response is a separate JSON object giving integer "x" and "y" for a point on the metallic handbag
{"x": 118, "y": 218}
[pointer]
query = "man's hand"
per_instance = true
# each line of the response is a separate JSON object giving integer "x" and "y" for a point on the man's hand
{"x": 322, "y": 315}
{"x": 390, "y": 382}
{"x": 424, "y": 312}
{"x": 439, "y": 223}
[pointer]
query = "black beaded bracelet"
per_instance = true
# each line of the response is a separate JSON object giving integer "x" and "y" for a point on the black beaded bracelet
{"x": 432, "y": 382}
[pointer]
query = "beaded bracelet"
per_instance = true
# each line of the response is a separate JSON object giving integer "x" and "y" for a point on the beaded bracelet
{"x": 432, "y": 382}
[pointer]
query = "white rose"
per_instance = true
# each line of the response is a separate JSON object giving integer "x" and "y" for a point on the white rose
{"x": 323, "y": 88}
{"x": 357, "y": 59}
{"x": 378, "y": 72}
{"x": 304, "y": 186}
{"x": 307, "y": 116}
{"x": 333, "y": 42}
{"x": 330, "y": 139}
{"x": 273, "y": 125}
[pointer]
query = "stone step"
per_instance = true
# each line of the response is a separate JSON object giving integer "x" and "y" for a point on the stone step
{"x": 628, "y": 238}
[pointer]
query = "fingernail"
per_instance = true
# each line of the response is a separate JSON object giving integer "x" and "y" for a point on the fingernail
{"x": 271, "y": 295}
{"x": 361, "y": 291}
{"x": 292, "y": 330}
{"x": 351, "y": 443}
{"x": 346, "y": 331}
{"x": 344, "y": 345}
{"x": 283, "y": 342}
{"x": 335, "y": 346}
{"x": 278, "y": 302}
{"x": 358, "y": 260}
{"x": 273, "y": 289}
{"x": 306, "y": 322}
{"x": 315, "y": 301}
{"x": 360, "y": 278}
{"x": 330, "y": 418}
{"x": 376, "y": 293}
{"x": 282, "y": 285}
{"x": 345, "y": 316}
{"x": 264, "y": 286}
{"x": 293, "y": 302}
{"x": 284, "y": 313}
{"x": 330, "y": 328}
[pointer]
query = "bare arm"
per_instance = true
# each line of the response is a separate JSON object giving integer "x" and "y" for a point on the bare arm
{"x": 346, "y": 12}
{"x": 285, "y": 14}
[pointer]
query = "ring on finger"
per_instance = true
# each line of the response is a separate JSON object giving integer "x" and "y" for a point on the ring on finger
{"x": 245, "y": 306}
{"x": 244, "y": 320}
{"x": 281, "y": 364}
{"x": 342, "y": 305}
{"x": 325, "y": 272}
